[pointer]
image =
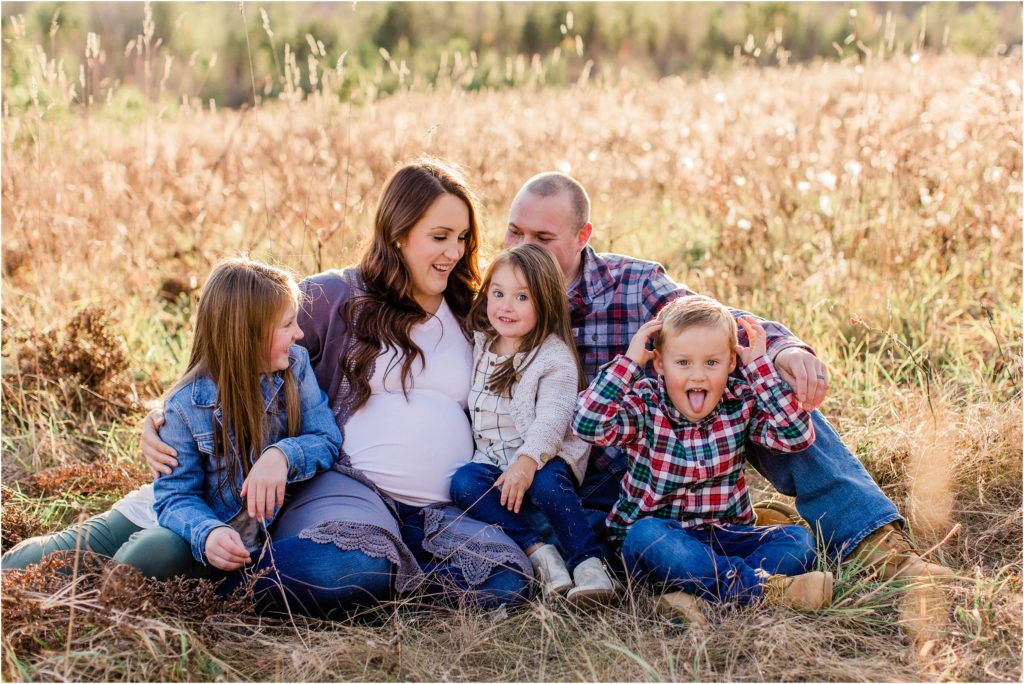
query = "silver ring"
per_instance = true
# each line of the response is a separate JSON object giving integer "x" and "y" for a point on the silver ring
{"x": 820, "y": 376}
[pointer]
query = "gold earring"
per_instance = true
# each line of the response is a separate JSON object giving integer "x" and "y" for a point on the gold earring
{"x": 398, "y": 245}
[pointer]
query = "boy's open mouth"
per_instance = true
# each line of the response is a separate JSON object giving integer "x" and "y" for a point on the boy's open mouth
{"x": 696, "y": 399}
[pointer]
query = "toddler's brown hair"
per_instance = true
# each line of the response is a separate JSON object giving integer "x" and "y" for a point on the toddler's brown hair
{"x": 693, "y": 311}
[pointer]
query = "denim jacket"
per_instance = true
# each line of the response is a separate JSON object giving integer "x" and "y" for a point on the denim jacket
{"x": 196, "y": 497}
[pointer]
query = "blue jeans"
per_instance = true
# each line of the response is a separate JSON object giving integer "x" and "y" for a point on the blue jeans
{"x": 833, "y": 492}
{"x": 318, "y": 579}
{"x": 505, "y": 585}
{"x": 716, "y": 562}
{"x": 553, "y": 492}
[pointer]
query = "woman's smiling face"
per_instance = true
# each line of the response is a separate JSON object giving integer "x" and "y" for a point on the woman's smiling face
{"x": 433, "y": 246}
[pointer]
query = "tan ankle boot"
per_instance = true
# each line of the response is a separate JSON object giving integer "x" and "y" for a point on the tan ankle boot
{"x": 682, "y": 606}
{"x": 777, "y": 513}
{"x": 888, "y": 552}
{"x": 810, "y": 591}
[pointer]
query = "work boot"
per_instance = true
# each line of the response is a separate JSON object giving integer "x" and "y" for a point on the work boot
{"x": 810, "y": 591}
{"x": 777, "y": 513}
{"x": 550, "y": 570}
{"x": 593, "y": 584}
{"x": 888, "y": 552}
{"x": 682, "y": 606}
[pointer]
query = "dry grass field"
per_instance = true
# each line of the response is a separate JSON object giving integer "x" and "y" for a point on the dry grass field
{"x": 875, "y": 209}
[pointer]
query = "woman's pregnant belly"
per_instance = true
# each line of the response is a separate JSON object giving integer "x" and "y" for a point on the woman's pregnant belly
{"x": 410, "y": 449}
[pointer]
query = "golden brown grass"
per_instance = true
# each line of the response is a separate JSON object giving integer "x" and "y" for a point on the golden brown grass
{"x": 875, "y": 210}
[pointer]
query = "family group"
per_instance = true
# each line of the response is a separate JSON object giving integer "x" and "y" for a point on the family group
{"x": 563, "y": 420}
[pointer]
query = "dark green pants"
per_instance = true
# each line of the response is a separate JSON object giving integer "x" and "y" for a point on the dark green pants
{"x": 157, "y": 552}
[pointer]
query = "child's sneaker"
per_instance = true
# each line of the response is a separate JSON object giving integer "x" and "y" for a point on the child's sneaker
{"x": 550, "y": 570}
{"x": 682, "y": 606}
{"x": 593, "y": 585}
{"x": 810, "y": 591}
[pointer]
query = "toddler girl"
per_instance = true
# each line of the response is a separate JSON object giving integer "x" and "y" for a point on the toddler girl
{"x": 525, "y": 380}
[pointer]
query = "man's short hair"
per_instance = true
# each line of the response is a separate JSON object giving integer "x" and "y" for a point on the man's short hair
{"x": 694, "y": 311}
{"x": 554, "y": 183}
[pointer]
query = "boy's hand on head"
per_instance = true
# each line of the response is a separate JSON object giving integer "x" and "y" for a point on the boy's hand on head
{"x": 160, "y": 456}
{"x": 225, "y": 550}
{"x": 516, "y": 481}
{"x": 263, "y": 490}
{"x": 757, "y": 339}
{"x": 638, "y": 351}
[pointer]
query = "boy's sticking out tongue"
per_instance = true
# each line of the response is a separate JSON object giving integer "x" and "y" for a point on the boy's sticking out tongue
{"x": 696, "y": 399}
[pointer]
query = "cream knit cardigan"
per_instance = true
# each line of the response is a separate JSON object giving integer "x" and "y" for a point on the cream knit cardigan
{"x": 542, "y": 405}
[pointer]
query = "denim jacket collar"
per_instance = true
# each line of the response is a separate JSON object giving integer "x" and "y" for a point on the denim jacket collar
{"x": 204, "y": 390}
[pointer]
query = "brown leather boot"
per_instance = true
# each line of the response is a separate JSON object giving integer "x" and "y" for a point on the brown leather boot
{"x": 682, "y": 606}
{"x": 810, "y": 591}
{"x": 773, "y": 512}
{"x": 888, "y": 552}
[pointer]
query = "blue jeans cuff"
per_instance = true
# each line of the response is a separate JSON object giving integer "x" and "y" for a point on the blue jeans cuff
{"x": 855, "y": 541}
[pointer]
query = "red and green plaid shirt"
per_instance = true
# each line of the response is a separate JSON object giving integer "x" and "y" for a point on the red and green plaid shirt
{"x": 684, "y": 470}
{"x": 614, "y": 295}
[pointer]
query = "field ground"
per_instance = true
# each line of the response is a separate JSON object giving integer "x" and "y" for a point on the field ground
{"x": 874, "y": 209}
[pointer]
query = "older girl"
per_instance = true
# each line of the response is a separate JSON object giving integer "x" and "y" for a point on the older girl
{"x": 246, "y": 419}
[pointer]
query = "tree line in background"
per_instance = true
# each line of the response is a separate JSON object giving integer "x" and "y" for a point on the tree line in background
{"x": 229, "y": 53}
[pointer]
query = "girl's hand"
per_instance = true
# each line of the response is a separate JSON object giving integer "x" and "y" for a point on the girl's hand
{"x": 224, "y": 549}
{"x": 756, "y": 338}
{"x": 160, "y": 456}
{"x": 263, "y": 490}
{"x": 516, "y": 481}
{"x": 638, "y": 350}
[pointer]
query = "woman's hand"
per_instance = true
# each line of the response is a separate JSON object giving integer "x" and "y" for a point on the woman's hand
{"x": 263, "y": 490}
{"x": 638, "y": 350}
{"x": 160, "y": 456}
{"x": 516, "y": 481}
{"x": 757, "y": 338}
{"x": 225, "y": 550}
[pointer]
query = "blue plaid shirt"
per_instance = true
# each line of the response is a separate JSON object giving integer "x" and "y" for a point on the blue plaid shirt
{"x": 613, "y": 296}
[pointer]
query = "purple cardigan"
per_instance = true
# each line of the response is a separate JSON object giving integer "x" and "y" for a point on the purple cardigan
{"x": 325, "y": 334}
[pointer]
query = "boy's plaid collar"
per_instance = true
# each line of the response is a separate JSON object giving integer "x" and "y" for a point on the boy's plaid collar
{"x": 730, "y": 394}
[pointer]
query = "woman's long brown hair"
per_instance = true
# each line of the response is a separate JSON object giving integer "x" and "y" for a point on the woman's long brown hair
{"x": 239, "y": 308}
{"x": 385, "y": 314}
{"x": 546, "y": 287}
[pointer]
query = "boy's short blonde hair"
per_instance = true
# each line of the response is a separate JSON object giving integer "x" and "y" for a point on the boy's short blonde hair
{"x": 693, "y": 311}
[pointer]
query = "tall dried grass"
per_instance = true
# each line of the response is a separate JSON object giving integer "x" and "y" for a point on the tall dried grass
{"x": 873, "y": 208}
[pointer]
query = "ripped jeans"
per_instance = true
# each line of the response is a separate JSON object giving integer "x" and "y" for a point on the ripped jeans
{"x": 553, "y": 493}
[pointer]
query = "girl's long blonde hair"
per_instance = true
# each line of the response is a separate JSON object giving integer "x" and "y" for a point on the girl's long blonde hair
{"x": 546, "y": 286}
{"x": 239, "y": 308}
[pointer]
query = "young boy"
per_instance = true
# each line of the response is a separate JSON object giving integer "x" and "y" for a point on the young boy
{"x": 684, "y": 517}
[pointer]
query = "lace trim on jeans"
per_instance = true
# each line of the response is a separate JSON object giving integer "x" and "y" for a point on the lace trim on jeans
{"x": 375, "y": 542}
{"x": 475, "y": 557}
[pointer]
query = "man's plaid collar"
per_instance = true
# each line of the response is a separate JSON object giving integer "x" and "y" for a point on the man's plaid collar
{"x": 595, "y": 276}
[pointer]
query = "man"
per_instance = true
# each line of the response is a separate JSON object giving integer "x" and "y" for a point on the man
{"x": 611, "y": 295}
